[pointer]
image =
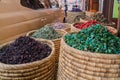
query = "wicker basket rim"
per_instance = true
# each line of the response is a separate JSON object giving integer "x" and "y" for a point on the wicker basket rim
{"x": 28, "y": 34}
{"x": 49, "y": 43}
{"x": 66, "y": 26}
{"x": 109, "y": 27}
{"x": 88, "y": 52}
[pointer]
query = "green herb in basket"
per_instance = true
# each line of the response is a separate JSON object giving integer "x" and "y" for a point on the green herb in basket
{"x": 46, "y": 32}
{"x": 94, "y": 39}
{"x": 99, "y": 17}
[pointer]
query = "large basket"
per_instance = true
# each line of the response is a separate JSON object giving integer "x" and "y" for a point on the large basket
{"x": 55, "y": 41}
{"x": 38, "y": 70}
{"x": 82, "y": 65}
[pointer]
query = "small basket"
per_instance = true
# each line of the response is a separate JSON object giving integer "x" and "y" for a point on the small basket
{"x": 74, "y": 29}
{"x": 83, "y": 21}
{"x": 90, "y": 14}
{"x": 82, "y": 65}
{"x": 71, "y": 16}
{"x": 114, "y": 31}
{"x": 67, "y": 27}
{"x": 42, "y": 69}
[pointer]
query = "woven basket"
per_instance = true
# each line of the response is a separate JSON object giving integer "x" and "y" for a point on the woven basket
{"x": 113, "y": 24}
{"x": 115, "y": 32}
{"x": 90, "y": 13}
{"x": 55, "y": 41}
{"x": 74, "y": 29}
{"x": 82, "y": 65}
{"x": 83, "y": 21}
{"x": 42, "y": 69}
{"x": 71, "y": 16}
{"x": 67, "y": 27}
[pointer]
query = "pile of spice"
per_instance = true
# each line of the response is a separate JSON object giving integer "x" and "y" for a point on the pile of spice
{"x": 99, "y": 17}
{"x": 85, "y": 25}
{"x": 24, "y": 50}
{"x": 47, "y": 32}
{"x": 58, "y": 25}
{"x": 94, "y": 39}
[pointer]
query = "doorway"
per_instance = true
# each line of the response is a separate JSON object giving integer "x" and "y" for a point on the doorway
{"x": 93, "y": 5}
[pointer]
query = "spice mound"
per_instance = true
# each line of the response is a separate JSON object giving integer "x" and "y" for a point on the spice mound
{"x": 99, "y": 17}
{"x": 94, "y": 39}
{"x": 46, "y": 32}
{"x": 24, "y": 50}
{"x": 58, "y": 25}
{"x": 85, "y": 25}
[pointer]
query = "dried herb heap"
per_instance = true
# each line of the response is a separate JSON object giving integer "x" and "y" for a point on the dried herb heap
{"x": 58, "y": 25}
{"x": 46, "y": 32}
{"x": 94, "y": 39}
{"x": 99, "y": 17}
{"x": 24, "y": 50}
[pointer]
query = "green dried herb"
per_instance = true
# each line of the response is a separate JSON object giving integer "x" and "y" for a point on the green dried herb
{"x": 46, "y": 32}
{"x": 94, "y": 39}
{"x": 99, "y": 17}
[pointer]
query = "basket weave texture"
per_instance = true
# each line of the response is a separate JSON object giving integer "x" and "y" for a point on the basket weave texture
{"x": 115, "y": 32}
{"x": 55, "y": 41}
{"x": 68, "y": 27}
{"x": 71, "y": 16}
{"x": 38, "y": 70}
{"x": 82, "y": 65}
{"x": 74, "y": 29}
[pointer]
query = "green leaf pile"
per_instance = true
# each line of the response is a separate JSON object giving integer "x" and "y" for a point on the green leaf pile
{"x": 46, "y": 32}
{"x": 99, "y": 17}
{"x": 94, "y": 39}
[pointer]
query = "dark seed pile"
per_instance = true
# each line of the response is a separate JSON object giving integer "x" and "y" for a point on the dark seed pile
{"x": 95, "y": 39}
{"x": 24, "y": 50}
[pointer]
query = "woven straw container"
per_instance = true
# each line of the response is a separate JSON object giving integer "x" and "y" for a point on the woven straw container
{"x": 90, "y": 13}
{"x": 82, "y": 65}
{"x": 74, "y": 29}
{"x": 55, "y": 41}
{"x": 71, "y": 16}
{"x": 38, "y": 70}
{"x": 114, "y": 31}
{"x": 67, "y": 27}
{"x": 113, "y": 24}
{"x": 83, "y": 21}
